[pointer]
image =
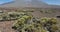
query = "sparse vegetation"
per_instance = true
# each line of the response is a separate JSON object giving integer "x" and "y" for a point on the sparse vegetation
{"x": 11, "y": 15}
{"x": 24, "y": 21}
{"x": 49, "y": 11}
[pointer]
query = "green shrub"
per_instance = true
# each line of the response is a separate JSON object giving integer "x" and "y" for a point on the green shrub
{"x": 36, "y": 25}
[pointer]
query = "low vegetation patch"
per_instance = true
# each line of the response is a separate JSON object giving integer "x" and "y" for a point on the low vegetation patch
{"x": 12, "y": 15}
{"x": 49, "y": 11}
{"x": 28, "y": 23}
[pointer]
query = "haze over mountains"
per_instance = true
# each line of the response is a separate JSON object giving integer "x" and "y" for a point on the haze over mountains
{"x": 32, "y": 3}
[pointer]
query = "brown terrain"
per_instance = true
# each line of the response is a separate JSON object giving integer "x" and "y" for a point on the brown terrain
{"x": 6, "y": 26}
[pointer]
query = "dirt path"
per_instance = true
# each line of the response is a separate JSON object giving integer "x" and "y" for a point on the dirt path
{"x": 6, "y": 26}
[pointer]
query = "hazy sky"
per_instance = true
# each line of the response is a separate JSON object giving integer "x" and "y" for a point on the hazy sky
{"x": 5, "y": 1}
{"x": 52, "y": 2}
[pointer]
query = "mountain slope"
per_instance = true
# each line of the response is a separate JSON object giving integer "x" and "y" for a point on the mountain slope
{"x": 23, "y": 3}
{"x": 33, "y": 3}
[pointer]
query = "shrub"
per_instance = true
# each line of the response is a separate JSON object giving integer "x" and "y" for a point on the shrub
{"x": 27, "y": 23}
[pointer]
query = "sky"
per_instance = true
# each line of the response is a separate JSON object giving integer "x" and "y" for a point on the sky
{"x": 5, "y": 1}
{"x": 50, "y": 2}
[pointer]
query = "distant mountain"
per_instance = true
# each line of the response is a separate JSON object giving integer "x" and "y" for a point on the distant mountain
{"x": 33, "y": 3}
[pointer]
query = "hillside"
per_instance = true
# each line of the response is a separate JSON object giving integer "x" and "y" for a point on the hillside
{"x": 32, "y": 3}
